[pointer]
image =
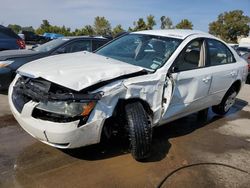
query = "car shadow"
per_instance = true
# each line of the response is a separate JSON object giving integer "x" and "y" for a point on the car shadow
{"x": 117, "y": 146}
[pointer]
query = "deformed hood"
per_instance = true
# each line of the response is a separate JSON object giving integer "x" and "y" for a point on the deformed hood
{"x": 77, "y": 70}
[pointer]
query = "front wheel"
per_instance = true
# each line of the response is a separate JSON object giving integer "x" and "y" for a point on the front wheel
{"x": 139, "y": 129}
{"x": 226, "y": 103}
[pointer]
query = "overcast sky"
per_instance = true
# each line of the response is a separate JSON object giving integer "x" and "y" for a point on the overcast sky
{"x": 77, "y": 13}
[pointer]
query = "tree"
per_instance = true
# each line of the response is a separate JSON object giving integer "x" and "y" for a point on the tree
{"x": 15, "y": 28}
{"x": 117, "y": 29}
{"x": 184, "y": 24}
{"x": 150, "y": 22}
{"x": 166, "y": 23}
{"x": 88, "y": 30}
{"x": 230, "y": 25}
{"x": 102, "y": 26}
{"x": 45, "y": 27}
{"x": 140, "y": 25}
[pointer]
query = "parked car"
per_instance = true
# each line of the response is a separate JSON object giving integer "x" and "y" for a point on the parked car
{"x": 233, "y": 45}
{"x": 244, "y": 52}
{"x": 52, "y": 36}
{"x": 32, "y": 38}
{"x": 131, "y": 85}
{"x": 11, "y": 60}
{"x": 10, "y": 40}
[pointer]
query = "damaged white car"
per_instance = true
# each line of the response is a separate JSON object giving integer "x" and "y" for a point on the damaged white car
{"x": 138, "y": 81}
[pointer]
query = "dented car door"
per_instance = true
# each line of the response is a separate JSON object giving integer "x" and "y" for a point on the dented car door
{"x": 191, "y": 82}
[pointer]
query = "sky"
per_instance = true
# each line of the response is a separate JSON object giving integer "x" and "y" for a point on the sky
{"x": 78, "y": 13}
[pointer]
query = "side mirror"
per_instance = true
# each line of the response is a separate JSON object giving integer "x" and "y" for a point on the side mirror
{"x": 173, "y": 69}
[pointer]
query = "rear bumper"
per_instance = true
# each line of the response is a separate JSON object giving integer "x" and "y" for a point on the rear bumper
{"x": 5, "y": 78}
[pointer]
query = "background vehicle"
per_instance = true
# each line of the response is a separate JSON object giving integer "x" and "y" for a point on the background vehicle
{"x": 11, "y": 60}
{"x": 32, "y": 38}
{"x": 10, "y": 40}
{"x": 51, "y": 36}
{"x": 129, "y": 86}
{"x": 244, "y": 52}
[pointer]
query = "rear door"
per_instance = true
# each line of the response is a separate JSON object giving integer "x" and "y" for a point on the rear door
{"x": 223, "y": 66}
{"x": 191, "y": 81}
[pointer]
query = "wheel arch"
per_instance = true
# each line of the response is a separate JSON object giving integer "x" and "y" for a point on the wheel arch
{"x": 236, "y": 85}
{"x": 119, "y": 109}
{"x": 145, "y": 104}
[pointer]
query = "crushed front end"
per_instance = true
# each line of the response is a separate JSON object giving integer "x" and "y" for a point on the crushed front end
{"x": 55, "y": 115}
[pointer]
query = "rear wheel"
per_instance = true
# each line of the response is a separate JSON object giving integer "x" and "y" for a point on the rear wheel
{"x": 226, "y": 103}
{"x": 139, "y": 129}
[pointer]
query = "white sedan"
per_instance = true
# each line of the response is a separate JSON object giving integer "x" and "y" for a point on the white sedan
{"x": 133, "y": 84}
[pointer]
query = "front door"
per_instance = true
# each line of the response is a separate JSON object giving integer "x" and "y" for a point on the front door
{"x": 191, "y": 82}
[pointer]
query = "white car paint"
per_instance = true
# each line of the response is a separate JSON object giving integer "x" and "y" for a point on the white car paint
{"x": 77, "y": 70}
{"x": 169, "y": 97}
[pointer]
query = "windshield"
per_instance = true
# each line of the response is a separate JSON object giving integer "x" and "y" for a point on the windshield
{"x": 50, "y": 45}
{"x": 147, "y": 51}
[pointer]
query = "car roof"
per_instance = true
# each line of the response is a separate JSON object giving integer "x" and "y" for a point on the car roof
{"x": 85, "y": 37}
{"x": 174, "y": 33}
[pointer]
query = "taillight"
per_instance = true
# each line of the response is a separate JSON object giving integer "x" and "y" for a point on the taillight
{"x": 20, "y": 43}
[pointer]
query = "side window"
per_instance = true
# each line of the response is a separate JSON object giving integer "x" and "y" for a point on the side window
{"x": 218, "y": 53}
{"x": 2, "y": 35}
{"x": 83, "y": 45}
{"x": 191, "y": 57}
{"x": 97, "y": 44}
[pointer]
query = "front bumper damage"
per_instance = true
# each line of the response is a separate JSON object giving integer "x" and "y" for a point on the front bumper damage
{"x": 63, "y": 132}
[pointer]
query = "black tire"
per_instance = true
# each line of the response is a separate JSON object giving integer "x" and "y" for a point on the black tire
{"x": 139, "y": 129}
{"x": 248, "y": 79}
{"x": 220, "y": 108}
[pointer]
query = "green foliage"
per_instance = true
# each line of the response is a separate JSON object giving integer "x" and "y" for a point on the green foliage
{"x": 45, "y": 27}
{"x": 150, "y": 22}
{"x": 230, "y": 25}
{"x": 102, "y": 26}
{"x": 184, "y": 24}
{"x": 18, "y": 28}
{"x": 117, "y": 29}
{"x": 15, "y": 28}
{"x": 86, "y": 30}
{"x": 166, "y": 23}
{"x": 140, "y": 24}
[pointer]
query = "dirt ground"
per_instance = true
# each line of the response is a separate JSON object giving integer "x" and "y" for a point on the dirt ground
{"x": 186, "y": 153}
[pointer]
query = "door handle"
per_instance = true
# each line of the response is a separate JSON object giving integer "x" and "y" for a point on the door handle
{"x": 233, "y": 73}
{"x": 206, "y": 79}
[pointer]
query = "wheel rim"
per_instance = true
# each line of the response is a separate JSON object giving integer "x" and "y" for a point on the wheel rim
{"x": 230, "y": 101}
